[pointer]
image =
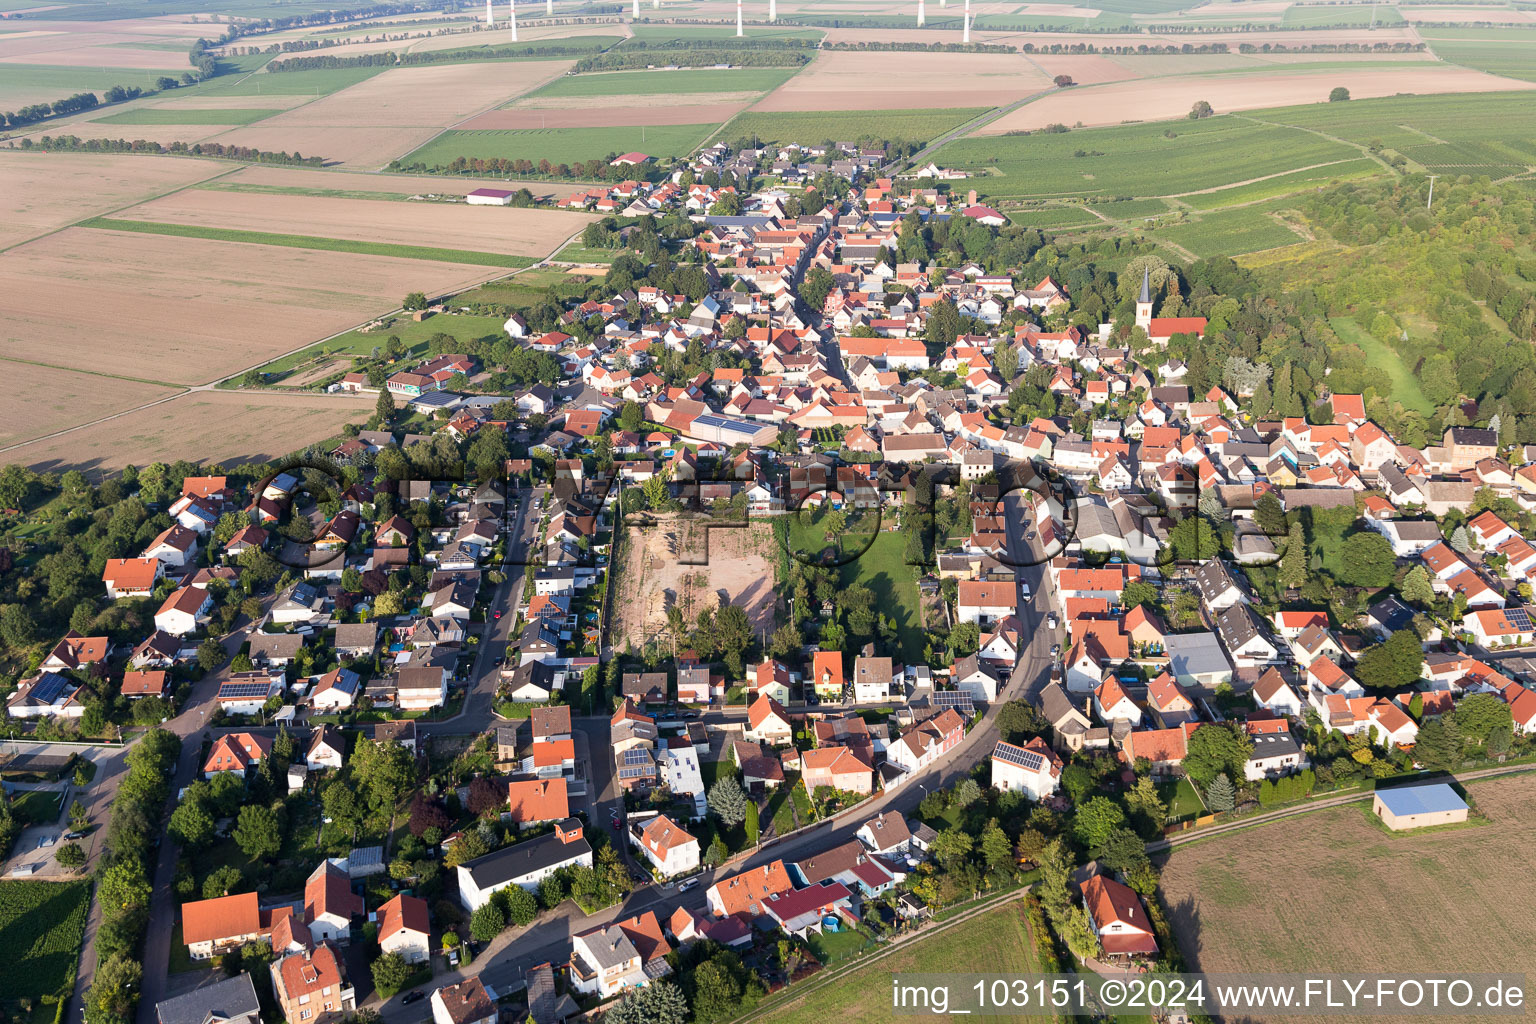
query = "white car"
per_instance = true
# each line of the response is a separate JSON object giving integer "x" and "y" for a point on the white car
{"x": 1051, "y": 621}
{"x": 689, "y": 884}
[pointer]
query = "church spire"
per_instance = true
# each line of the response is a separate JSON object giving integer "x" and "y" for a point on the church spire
{"x": 1146, "y": 285}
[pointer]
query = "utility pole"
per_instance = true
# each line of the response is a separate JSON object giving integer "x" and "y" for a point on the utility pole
{"x": 1430, "y": 202}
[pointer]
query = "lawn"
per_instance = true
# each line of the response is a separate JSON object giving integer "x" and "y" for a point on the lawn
{"x": 875, "y": 560}
{"x": 830, "y": 947}
{"x": 1405, "y": 385}
{"x": 1140, "y": 160}
{"x": 41, "y": 924}
{"x": 187, "y": 115}
{"x": 1230, "y": 233}
{"x": 1054, "y": 218}
{"x": 410, "y": 252}
{"x": 37, "y": 806}
{"x": 569, "y": 46}
{"x": 1181, "y": 799}
{"x": 413, "y": 333}
{"x": 559, "y": 145}
{"x": 850, "y": 125}
{"x": 668, "y": 83}
{"x": 1331, "y": 878}
{"x": 997, "y": 942}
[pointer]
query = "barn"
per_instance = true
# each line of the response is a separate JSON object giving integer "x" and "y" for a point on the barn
{"x": 490, "y": 197}
{"x": 1432, "y": 803}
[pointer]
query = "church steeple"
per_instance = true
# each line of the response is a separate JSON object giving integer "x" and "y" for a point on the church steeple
{"x": 1144, "y": 301}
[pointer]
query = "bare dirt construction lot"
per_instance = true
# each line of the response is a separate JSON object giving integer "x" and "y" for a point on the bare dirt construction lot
{"x": 47, "y": 191}
{"x": 42, "y": 399}
{"x": 209, "y": 426}
{"x": 370, "y": 123}
{"x": 1167, "y": 98}
{"x": 656, "y": 573}
{"x": 1336, "y": 892}
{"x": 519, "y": 232}
{"x": 190, "y": 310}
{"x": 839, "y": 80}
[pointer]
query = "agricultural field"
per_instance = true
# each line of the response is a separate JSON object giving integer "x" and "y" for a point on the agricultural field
{"x": 913, "y": 125}
{"x": 24, "y": 84}
{"x": 1446, "y": 892}
{"x": 188, "y": 115}
{"x": 304, "y": 181}
{"x": 315, "y": 84}
{"x": 1171, "y": 97}
{"x": 1229, "y": 232}
{"x": 1283, "y": 184}
{"x": 369, "y": 123}
{"x": 997, "y": 941}
{"x": 1509, "y": 51}
{"x": 560, "y": 145}
{"x": 41, "y": 924}
{"x": 44, "y": 399}
{"x": 456, "y": 226}
{"x": 48, "y": 191}
{"x": 849, "y": 81}
{"x": 661, "y": 83}
{"x": 187, "y": 311}
{"x": 658, "y": 36}
{"x": 1336, "y": 15}
{"x": 212, "y": 426}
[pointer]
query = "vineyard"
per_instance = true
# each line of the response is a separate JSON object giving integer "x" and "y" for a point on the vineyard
{"x": 41, "y": 924}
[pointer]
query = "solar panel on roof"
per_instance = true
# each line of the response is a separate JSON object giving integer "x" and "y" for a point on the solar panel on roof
{"x": 634, "y": 773}
{"x": 1027, "y": 759}
{"x": 244, "y": 690}
{"x": 637, "y": 755}
{"x": 1520, "y": 618}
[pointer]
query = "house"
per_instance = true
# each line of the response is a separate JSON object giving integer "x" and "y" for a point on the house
{"x": 745, "y": 893}
{"x": 1418, "y": 806}
{"x": 980, "y": 679}
{"x": 838, "y": 768}
{"x": 183, "y": 611}
{"x": 1113, "y": 704}
{"x": 768, "y": 722}
{"x": 176, "y": 545}
{"x": 626, "y": 954}
{"x": 404, "y": 928}
{"x": 216, "y": 926}
{"x": 227, "y": 1001}
{"x": 667, "y": 845}
{"x": 421, "y": 687}
{"x": 327, "y": 749}
{"x": 1164, "y": 749}
{"x": 985, "y": 602}
{"x": 887, "y": 835}
{"x": 48, "y": 694}
{"x": 149, "y": 683}
{"x": 1274, "y": 694}
{"x": 132, "y": 577}
{"x": 356, "y": 640}
{"x": 1033, "y": 768}
{"x": 1169, "y": 701}
{"x": 677, "y": 768}
{"x": 849, "y": 863}
{"x": 1275, "y": 751}
{"x": 799, "y": 912}
{"x": 872, "y": 680}
{"x": 312, "y": 986}
{"x": 771, "y": 679}
{"x": 827, "y": 674}
{"x": 534, "y": 801}
{"x": 1218, "y": 590}
{"x": 926, "y": 742}
{"x": 1197, "y": 659}
{"x": 1498, "y": 627}
{"x": 1246, "y": 640}
{"x": 467, "y": 1002}
{"x": 1119, "y": 919}
{"x": 274, "y": 650}
{"x": 336, "y": 690}
{"x": 330, "y": 904}
{"x": 236, "y": 752}
{"x": 1069, "y": 725}
{"x": 524, "y": 864}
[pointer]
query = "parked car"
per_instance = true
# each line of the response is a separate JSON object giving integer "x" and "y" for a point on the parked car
{"x": 689, "y": 884}
{"x": 412, "y": 997}
{"x": 74, "y": 835}
{"x": 498, "y": 613}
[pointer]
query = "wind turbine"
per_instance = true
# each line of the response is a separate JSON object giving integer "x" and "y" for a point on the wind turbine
{"x": 512, "y": 9}
{"x": 920, "y": 18}
{"x": 738, "y": 19}
{"x": 549, "y": 8}
{"x": 773, "y": 11}
{"x": 966, "y": 39}
{"x": 490, "y": 17}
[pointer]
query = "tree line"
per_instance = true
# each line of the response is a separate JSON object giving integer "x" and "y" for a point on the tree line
{"x": 389, "y": 58}
{"x": 639, "y": 58}
{"x": 75, "y": 144}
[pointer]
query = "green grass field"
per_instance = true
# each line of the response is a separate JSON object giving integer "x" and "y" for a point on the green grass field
{"x": 997, "y": 941}
{"x": 561, "y": 145}
{"x": 41, "y": 924}
{"x": 24, "y": 84}
{"x": 838, "y": 125}
{"x": 1054, "y": 218}
{"x": 295, "y": 190}
{"x": 187, "y": 115}
{"x": 1508, "y": 50}
{"x": 37, "y": 806}
{"x": 1230, "y": 233}
{"x": 652, "y": 83}
{"x": 574, "y": 45}
{"x": 1140, "y": 160}
{"x": 656, "y": 36}
{"x": 1340, "y": 15}
{"x": 410, "y": 252}
{"x": 883, "y": 568}
{"x": 289, "y": 83}
{"x": 1405, "y": 385}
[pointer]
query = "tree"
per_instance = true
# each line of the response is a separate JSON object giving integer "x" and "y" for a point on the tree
{"x": 660, "y": 1002}
{"x": 631, "y": 416}
{"x": 995, "y": 846}
{"x": 1416, "y": 587}
{"x": 1096, "y": 819}
{"x": 1005, "y": 360}
{"x": 1138, "y": 592}
{"x": 1393, "y": 664}
{"x": 1018, "y": 720}
{"x": 732, "y": 633}
{"x": 391, "y": 973}
{"x": 466, "y": 848}
{"x": 191, "y": 822}
{"x": 383, "y": 771}
{"x": 414, "y": 301}
{"x": 522, "y": 908}
{"x": 1338, "y": 95}
{"x": 1063, "y": 81}
{"x": 1144, "y": 803}
{"x": 384, "y": 408}
{"x": 487, "y": 922}
{"x": 815, "y": 287}
{"x": 222, "y": 881}
{"x": 1478, "y": 715}
{"x": 1201, "y": 109}
{"x": 123, "y": 888}
{"x": 111, "y": 996}
{"x": 1213, "y": 749}
{"x": 1293, "y": 561}
{"x": 951, "y": 846}
{"x": 716, "y": 991}
{"x": 1221, "y": 794}
{"x": 210, "y": 655}
{"x": 1438, "y": 746}
{"x": 70, "y": 856}
{"x": 1366, "y": 560}
{"x": 728, "y": 801}
{"x": 1077, "y": 780}
{"x": 1270, "y": 515}
{"x": 258, "y": 832}
{"x": 965, "y": 793}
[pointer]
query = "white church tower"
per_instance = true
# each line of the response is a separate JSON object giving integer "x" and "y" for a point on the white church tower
{"x": 1144, "y": 302}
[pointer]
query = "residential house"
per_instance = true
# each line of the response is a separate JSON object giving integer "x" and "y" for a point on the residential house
{"x": 768, "y": 722}
{"x": 1119, "y": 919}
{"x": 464, "y": 1003}
{"x": 524, "y": 864}
{"x": 330, "y": 904}
{"x": 745, "y": 892}
{"x": 625, "y": 954}
{"x": 312, "y": 986}
{"x": 1033, "y": 768}
{"x": 667, "y": 845}
{"x": 405, "y": 928}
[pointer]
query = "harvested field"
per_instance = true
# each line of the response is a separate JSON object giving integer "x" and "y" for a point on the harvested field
{"x": 839, "y": 80}
{"x": 197, "y": 101}
{"x": 560, "y": 144}
{"x": 212, "y": 426}
{"x": 653, "y": 575}
{"x": 1332, "y": 876}
{"x": 399, "y": 184}
{"x": 165, "y": 134}
{"x": 1169, "y": 98}
{"x": 1470, "y": 15}
{"x": 187, "y": 311}
{"x": 702, "y": 82}
{"x": 47, "y": 398}
{"x": 369, "y": 123}
{"x": 48, "y": 191}
{"x": 1085, "y": 69}
{"x": 584, "y": 113}
{"x": 521, "y": 232}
